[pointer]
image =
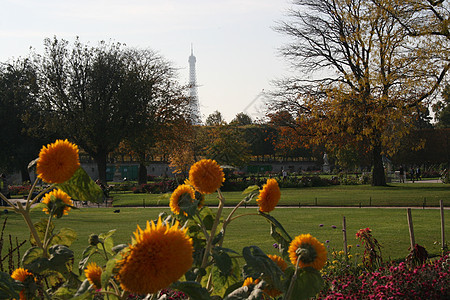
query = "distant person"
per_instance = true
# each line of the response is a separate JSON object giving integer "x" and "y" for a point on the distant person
{"x": 418, "y": 174}
{"x": 412, "y": 174}
{"x": 402, "y": 174}
{"x": 284, "y": 174}
{"x": 4, "y": 188}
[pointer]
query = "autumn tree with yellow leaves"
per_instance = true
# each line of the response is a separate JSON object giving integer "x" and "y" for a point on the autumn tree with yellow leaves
{"x": 360, "y": 77}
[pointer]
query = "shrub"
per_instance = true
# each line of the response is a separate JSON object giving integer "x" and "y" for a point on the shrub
{"x": 19, "y": 189}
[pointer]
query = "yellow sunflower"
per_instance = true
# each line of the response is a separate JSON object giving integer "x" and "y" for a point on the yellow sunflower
{"x": 57, "y": 202}
{"x": 159, "y": 256}
{"x": 21, "y": 275}
{"x": 206, "y": 176}
{"x": 269, "y": 196}
{"x": 94, "y": 274}
{"x": 176, "y": 195}
{"x": 249, "y": 281}
{"x": 58, "y": 161}
{"x": 314, "y": 255}
{"x": 270, "y": 292}
{"x": 281, "y": 263}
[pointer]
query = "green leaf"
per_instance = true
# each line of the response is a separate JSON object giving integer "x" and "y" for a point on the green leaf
{"x": 277, "y": 225}
{"x": 188, "y": 205}
{"x": 283, "y": 244}
{"x": 308, "y": 283}
{"x": 64, "y": 237}
{"x": 220, "y": 282}
{"x": 9, "y": 288}
{"x": 250, "y": 192}
{"x": 259, "y": 263}
{"x": 218, "y": 237}
{"x": 81, "y": 187}
{"x": 38, "y": 206}
{"x": 250, "y": 189}
{"x": 34, "y": 261}
{"x": 109, "y": 269}
{"x": 207, "y": 216}
{"x": 222, "y": 261}
{"x": 104, "y": 236}
{"x": 193, "y": 289}
{"x": 41, "y": 227}
{"x": 83, "y": 292}
{"x": 116, "y": 249}
{"x": 60, "y": 256}
{"x": 193, "y": 273}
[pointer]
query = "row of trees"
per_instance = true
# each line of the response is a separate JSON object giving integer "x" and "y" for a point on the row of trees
{"x": 97, "y": 96}
{"x": 364, "y": 75}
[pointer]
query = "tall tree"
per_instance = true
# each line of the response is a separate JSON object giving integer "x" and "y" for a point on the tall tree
{"x": 442, "y": 109}
{"x": 98, "y": 95}
{"x": 362, "y": 76}
{"x": 153, "y": 80}
{"x": 241, "y": 119}
{"x": 18, "y": 92}
{"x": 215, "y": 119}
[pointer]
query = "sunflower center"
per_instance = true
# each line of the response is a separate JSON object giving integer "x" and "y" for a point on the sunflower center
{"x": 307, "y": 253}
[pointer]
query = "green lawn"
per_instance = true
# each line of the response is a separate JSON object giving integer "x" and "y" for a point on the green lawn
{"x": 389, "y": 226}
{"x": 410, "y": 194}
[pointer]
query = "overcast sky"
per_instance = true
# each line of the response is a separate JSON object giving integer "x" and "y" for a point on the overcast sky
{"x": 234, "y": 41}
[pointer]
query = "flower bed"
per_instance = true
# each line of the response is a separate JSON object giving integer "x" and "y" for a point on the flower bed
{"x": 398, "y": 281}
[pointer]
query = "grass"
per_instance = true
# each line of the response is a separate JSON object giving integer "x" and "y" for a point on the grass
{"x": 416, "y": 194}
{"x": 389, "y": 226}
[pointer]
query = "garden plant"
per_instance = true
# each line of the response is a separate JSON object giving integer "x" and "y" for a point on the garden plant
{"x": 177, "y": 256}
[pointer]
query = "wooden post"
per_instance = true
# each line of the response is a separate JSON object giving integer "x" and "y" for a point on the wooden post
{"x": 344, "y": 232}
{"x": 411, "y": 229}
{"x": 441, "y": 202}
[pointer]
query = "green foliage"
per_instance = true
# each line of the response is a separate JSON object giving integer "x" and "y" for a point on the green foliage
{"x": 81, "y": 187}
{"x": 307, "y": 283}
{"x": 9, "y": 288}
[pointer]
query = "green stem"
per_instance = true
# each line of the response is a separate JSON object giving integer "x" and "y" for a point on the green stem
{"x": 46, "y": 242}
{"x": 115, "y": 287}
{"x": 31, "y": 191}
{"x": 25, "y": 214}
{"x": 202, "y": 225}
{"x": 104, "y": 250}
{"x": 213, "y": 232}
{"x": 9, "y": 202}
{"x": 38, "y": 195}
{"x": 293, "y": 279}
{"x": 108, "y": 293}
{"x": 229, "y": 219}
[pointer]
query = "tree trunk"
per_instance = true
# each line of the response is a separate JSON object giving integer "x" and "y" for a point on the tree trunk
{"x": 101, "y": 166}
{"x": 142, "y": 174}
{"x": 378, "y": 177}
{"x": 25, "y": 174}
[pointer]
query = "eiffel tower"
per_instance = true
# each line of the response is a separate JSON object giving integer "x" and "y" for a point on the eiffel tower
{"x": 194, "y": 104}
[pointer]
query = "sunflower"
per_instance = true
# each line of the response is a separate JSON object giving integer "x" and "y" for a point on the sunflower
{"x": 249, "y": 281}
{"x": 269, "y": 196}
{"x": 314, "y": 252}
{"x": 281, "y": 263}
{"x": 159, "y": 256}
{"x": 58, "y": 161}
{"x": 21, "y": 275}
{"x": 94, "y": 274}
{"x": 206, "y": 176}
{"x": 181, "y": 190}
{"x": 58, "y": 202}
